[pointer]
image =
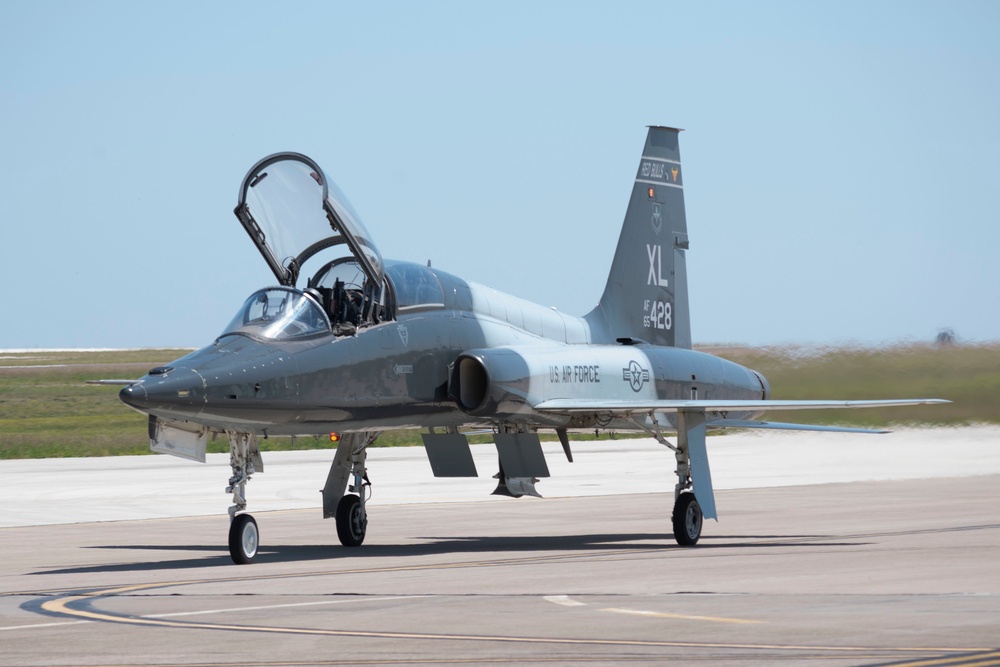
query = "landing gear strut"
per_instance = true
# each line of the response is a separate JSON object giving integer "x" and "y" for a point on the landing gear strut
{"x": 687, "y": 518}
{"x": 244, "y": 459}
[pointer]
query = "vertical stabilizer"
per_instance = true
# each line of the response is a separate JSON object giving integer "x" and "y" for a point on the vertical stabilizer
{"x": 646, "y": 296}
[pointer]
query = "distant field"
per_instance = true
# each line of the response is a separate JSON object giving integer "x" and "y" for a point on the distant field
{"x": 46, "y": 410}
{"x": 967, "y": 375}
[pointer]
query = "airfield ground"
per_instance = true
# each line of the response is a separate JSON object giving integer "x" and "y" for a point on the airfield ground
{"x": 832, "y": 549}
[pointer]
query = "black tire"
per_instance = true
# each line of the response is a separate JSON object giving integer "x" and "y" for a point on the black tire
{"x": 244, "y": 538}
{"x": 687, "y": 520}
{"x": 351, "y": 526}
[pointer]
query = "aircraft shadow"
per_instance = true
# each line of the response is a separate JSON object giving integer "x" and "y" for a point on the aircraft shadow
{"x": 500, "y": 548}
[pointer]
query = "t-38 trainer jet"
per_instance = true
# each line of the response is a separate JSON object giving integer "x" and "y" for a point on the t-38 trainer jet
{"x": 357, "y": 344}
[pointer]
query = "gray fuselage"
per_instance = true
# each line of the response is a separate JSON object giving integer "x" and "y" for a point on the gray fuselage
{"x": 401, "y": 373}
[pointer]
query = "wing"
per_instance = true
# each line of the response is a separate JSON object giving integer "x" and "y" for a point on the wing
{"x": 645, "y": 407}
{"x": 570, "y": 405}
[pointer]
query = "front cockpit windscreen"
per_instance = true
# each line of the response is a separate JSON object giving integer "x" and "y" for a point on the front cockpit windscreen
{"x": 279, "y": 314}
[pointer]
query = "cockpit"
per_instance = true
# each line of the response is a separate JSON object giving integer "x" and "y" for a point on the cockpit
{"x": 292, "y": 212}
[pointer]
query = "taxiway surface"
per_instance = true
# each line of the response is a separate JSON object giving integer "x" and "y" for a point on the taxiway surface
{"x": 891, "y": 570}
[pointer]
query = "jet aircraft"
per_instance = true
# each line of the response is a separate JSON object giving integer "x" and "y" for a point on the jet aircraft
{"x": 352, "y": 344}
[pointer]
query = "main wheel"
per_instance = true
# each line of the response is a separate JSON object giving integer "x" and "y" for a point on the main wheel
{"x": 687, "y": 520}
{"x": 243, "y": 539}
{"x": 351, "y": 524}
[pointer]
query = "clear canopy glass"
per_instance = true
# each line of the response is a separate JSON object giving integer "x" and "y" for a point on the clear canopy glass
{"x": 279, "y": 313}
{"x": 292, "y": 211}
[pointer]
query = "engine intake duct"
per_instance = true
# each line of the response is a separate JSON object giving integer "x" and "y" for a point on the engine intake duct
{"x": 470, "y": 384}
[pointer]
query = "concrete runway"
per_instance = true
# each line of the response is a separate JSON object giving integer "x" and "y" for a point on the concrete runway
{"x": 905, "y": 570}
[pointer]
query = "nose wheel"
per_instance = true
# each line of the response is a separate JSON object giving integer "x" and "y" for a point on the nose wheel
{"x": 244, "y": 538}
{"x": 687, "y": 520}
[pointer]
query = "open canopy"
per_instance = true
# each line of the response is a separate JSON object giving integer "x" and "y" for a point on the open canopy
{"x": 291, "y": 211}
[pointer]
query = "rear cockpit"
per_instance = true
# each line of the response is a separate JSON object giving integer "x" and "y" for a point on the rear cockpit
{"x": 294, "y": 213}
{"x": 340, "y": 288}
{"x": 414, "y": 287}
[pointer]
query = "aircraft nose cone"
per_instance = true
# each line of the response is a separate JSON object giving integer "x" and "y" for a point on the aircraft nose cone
{"x": 177, "y": 392}
{"x": 133, "y": 396}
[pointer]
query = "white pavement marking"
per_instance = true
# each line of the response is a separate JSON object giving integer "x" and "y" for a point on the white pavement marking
{"x": 564, "y": 600}
{"x": 567, "y": 601}
{"x": 43, "y": 625}
{"x": 685, "y": 617}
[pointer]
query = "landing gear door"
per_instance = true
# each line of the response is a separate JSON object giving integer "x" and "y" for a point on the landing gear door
{"x": 292, "y": 211}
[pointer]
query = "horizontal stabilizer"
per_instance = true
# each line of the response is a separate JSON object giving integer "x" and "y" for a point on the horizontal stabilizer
{"x": 781, "y": 426}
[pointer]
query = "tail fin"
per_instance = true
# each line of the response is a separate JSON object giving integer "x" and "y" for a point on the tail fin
{"x": 646, "y": 296}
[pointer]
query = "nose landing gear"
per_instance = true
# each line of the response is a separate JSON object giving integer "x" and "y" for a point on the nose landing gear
{"x": 244, "y": 458}
{"x": 243, "y": 539}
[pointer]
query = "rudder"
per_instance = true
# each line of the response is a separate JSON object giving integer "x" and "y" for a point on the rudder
{"x": 646, "y": 295}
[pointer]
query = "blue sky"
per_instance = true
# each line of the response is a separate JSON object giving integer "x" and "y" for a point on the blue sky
{"x": 841, "y": 159}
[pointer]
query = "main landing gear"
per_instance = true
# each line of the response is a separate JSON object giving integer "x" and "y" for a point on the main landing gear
{"x": 687, "y": 520}
{"x": 351, "y": 521}
{"x": 347, "y": 504}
